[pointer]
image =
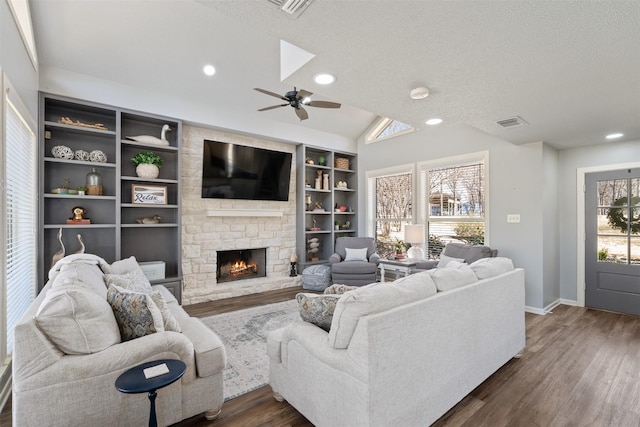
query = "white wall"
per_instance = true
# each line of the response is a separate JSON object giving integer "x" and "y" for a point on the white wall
{"x": 516, "y": 186}
{"x": 610, "y": 154}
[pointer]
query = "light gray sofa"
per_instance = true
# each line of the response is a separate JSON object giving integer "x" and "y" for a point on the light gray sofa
{"x": 402, "y": 353}
{"x": 467, "y": 253}
{"x": 68, "y": 353}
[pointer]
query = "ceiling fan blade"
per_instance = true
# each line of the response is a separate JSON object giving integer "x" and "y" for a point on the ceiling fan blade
{"x": 266, "y": 92}
{"x": 272, "y": 107}
{"x": 304, "y": 93}
{"x": 302, "y": 113}
{"x": 323, "y": 104}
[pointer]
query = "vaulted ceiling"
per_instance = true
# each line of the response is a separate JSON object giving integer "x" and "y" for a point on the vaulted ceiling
{"x": 569, "y": 69}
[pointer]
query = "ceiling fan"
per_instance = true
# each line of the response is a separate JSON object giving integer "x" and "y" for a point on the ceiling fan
{"x": 296, "y": 99}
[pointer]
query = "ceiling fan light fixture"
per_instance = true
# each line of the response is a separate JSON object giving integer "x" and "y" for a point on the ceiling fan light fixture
{"x": 209, "y": 70}
{"x": 419, "y": 93}
{"x": 324, "y": 78}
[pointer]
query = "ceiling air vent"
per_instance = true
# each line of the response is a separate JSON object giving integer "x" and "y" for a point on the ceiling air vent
{"x": 512, "y": 122}
{"x": 292, "y": 7}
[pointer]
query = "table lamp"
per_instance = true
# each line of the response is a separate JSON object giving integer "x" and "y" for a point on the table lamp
{"x": 414, "y": 234}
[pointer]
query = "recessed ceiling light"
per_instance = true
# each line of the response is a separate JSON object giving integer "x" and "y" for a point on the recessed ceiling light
{"x": 209, "y": 70}
{"x": 433, "y": 122}
{"x": 614, "y": 135}
{"x": 419, "y": 93}
{"x": 324, "y": 79}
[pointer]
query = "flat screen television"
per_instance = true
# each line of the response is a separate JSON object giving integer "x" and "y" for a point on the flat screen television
{"x": 232, "y": 171}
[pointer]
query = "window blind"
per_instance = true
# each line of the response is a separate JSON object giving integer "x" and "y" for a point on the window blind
{"x": 20, "y": 217}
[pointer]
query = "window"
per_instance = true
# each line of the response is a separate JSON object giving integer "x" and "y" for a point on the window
{"x": 390, "y": 201}
{"x": 452, "y": 194}
{"x": 19, "y": 199}
{"x": 387, "y": 128}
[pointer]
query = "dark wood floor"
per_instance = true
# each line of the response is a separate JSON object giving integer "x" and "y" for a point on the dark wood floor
{"x": 581, "y": 367}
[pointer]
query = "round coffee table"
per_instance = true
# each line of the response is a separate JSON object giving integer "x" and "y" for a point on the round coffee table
{"x": 134, "y": 380}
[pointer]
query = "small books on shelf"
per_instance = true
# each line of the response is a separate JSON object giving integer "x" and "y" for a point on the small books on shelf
{"x": 79, "y": 222}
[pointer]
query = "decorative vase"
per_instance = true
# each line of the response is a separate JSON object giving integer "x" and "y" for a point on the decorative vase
{"x": 145, "y": 170}
{"x": 94, "y": 183}
{"x": 325, "y": 182}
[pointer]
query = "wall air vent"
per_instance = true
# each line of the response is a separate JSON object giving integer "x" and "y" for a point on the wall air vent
{"x": 512, "y": 122}
{"x": 292, "y": 7}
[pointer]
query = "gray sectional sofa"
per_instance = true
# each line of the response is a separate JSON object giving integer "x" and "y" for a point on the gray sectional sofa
{"x": 70, "y": 347}
{"x": 400, "y": 353}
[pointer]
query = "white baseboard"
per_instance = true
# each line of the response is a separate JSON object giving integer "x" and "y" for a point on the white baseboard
{"x": 549, "y": 308}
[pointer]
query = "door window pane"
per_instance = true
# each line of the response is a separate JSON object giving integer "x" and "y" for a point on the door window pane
{"x": 612, "y": 249}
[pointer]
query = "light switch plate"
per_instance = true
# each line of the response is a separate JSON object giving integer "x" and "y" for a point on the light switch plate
{"x": 513, "y": 218}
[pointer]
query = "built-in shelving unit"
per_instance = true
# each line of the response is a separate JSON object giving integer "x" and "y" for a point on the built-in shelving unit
{"x": 114, "y": 232}
{"x": 324, "y": 212}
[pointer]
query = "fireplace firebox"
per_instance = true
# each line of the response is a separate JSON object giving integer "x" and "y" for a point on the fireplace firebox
{"x": 239, "y": 264}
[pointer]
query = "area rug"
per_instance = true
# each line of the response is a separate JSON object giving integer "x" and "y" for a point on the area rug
{"x": 244, "y": 334}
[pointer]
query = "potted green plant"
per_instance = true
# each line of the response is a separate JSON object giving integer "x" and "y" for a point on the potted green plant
{"x": 81, "y": 190}
{"x": 147, "y": 164}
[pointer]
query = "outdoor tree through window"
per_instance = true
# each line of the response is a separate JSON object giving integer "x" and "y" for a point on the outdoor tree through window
{"x": 455, "y": 204}
{"x": 393, "y": 210}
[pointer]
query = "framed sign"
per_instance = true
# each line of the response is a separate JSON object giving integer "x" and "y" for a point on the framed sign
{"x": 149, "y": 194}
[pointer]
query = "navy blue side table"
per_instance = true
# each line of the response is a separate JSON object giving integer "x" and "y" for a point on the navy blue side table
{"x": 134, "y": 381}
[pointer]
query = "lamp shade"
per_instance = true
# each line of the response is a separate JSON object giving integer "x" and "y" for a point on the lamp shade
{"x": 414, "y": 233}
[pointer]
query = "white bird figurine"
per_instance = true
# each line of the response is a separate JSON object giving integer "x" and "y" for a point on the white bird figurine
{"x": 81, "y": 250}
{"x": 148, "y": 139}
{"x": 60, "y": 254}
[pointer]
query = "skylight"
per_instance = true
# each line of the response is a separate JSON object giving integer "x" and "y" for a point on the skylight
{"x": 388, "y": 128}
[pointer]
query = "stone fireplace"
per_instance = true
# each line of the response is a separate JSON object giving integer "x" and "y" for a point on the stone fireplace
{"x": 239, "y": 264}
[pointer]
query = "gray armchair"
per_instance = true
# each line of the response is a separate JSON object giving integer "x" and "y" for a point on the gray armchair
{"x": 469, "y": 253}
{"x": 357, "y": 269}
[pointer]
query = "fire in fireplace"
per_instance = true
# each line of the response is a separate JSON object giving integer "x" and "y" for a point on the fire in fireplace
{"x": 241, "y": 264}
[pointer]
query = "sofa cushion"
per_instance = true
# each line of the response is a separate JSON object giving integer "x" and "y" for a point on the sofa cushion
{"x": 77, "y": 321}
{"x": 80, "y": 275}
{"x": 136, "y": 313}
{"x": 444, "y": 260}
{"x": 451, "y": 278}
{"x": 134, "y": 281}
{"x": 490, "y": 267}
{"x": 317, "y": 309}
{"x": 375, "y": 298}
{"x": 469, "y": 253}
{"x": 355, "y": 254}
{"x": 354, "y": 267}
{"x": 168, "y": 320}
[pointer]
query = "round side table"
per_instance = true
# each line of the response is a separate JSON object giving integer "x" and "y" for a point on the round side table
{"x": 134, "y": 380}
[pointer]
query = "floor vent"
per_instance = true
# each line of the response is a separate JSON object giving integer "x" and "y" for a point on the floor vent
{"x": 292, "y": 7}
{"x": 512, "y": 122}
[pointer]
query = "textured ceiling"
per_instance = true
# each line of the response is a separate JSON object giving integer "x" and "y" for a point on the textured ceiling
{"x": 570, "y": 69}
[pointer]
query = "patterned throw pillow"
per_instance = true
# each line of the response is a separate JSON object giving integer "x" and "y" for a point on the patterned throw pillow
{"x": 136, "y": 313}
{"x": 317, "y": 309}
{"x": 338, "y": 289}
{"x": 169, "y": 321}
{"x": 134, "y": 281}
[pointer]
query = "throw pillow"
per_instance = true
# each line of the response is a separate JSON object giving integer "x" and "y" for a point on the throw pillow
{"x": 136, "y": 313}
{"x": 338, "y": 289}
{"x": 490, "y": 267}
{"x": 317, "y": 309}
{"x": 169, "y": 321}
{"x": 80, "y": 275}
{"x": 121, "y": 267}
{"x": 134, "y": 281}
{"x": 444, "y": 260}
{"x": 77, "y": 321}
{"x": 451, "y": 278}
{"x": 355, "y": 254}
